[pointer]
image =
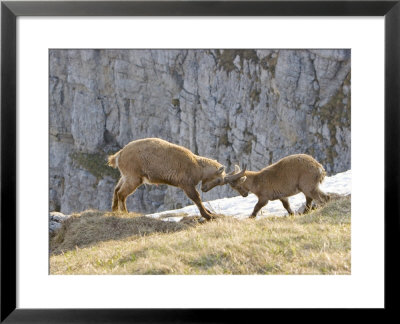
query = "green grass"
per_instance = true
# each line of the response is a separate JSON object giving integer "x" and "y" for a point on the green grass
{"x": 96, "y": 242}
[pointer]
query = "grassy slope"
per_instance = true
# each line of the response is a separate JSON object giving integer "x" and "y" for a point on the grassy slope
{"x": 96, "y": 242}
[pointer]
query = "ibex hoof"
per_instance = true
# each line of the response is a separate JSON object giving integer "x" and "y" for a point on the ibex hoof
{"x": 210, "y": 217}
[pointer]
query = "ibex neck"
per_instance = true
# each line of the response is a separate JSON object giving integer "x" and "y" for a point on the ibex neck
{"x": 206, "y": 162}
{"x": 207, "y": 165}
{"x": 250, "y": 176}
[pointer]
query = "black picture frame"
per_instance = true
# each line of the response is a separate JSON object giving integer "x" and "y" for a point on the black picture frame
{"x": 11, "y": 10}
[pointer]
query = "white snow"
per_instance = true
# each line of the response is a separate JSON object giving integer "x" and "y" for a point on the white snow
{"x": 240, "y": 207}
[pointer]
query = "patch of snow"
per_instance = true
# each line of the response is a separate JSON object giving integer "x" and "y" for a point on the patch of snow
{"x": 240, "y": 207}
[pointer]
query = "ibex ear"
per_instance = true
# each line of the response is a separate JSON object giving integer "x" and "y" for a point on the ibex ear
{"x": 220, "y": 170}
{"x": 242, "y": 179}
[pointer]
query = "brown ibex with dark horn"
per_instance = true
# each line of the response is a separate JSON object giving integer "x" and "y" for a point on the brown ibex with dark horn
{"x": 287, "y": 177}
{"x": 155, "y": 161}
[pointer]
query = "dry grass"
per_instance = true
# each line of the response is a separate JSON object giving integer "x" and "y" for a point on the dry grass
{"x": 107, "y": 243}
{"x": 92, "y": 227}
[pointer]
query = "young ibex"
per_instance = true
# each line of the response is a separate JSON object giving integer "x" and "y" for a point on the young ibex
{"x": 287, "y": 177}
{"x": 153, "y": 160}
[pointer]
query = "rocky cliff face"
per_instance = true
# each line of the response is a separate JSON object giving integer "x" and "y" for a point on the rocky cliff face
{"x": 235, "y": 106}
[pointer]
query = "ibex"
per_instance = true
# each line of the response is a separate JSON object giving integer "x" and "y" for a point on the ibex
{"x": 155, "y": 161}
{"x": 287, "y": 177}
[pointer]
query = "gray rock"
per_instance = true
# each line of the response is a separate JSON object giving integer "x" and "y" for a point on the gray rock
{"x": 55, "y": 221}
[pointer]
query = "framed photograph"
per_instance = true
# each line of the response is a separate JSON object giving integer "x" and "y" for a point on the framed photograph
{"x": 163, "y": 160}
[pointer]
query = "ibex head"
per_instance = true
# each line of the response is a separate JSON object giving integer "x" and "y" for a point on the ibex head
{"x": 216, "y": 179}
{"x": 236, "y": 180}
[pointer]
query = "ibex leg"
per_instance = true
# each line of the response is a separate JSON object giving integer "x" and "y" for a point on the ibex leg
{"x": 115, "y": 197}
{"x": 260, "y": 204}
{"x": 127, "y": 188}
{"x": 286, "y": 205}
{"x": 193, "y": 194}
{"x": 308, "y": 204}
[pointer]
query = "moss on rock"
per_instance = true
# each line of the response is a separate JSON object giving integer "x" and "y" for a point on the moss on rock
{"x": 336, "y": 114}
{"x": 227, "y": 57}
{"x": 96, "y": 164}
{"x": 269, "y": 63}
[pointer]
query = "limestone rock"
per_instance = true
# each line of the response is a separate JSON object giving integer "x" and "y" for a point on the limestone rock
{"x": 55, "y": 221}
